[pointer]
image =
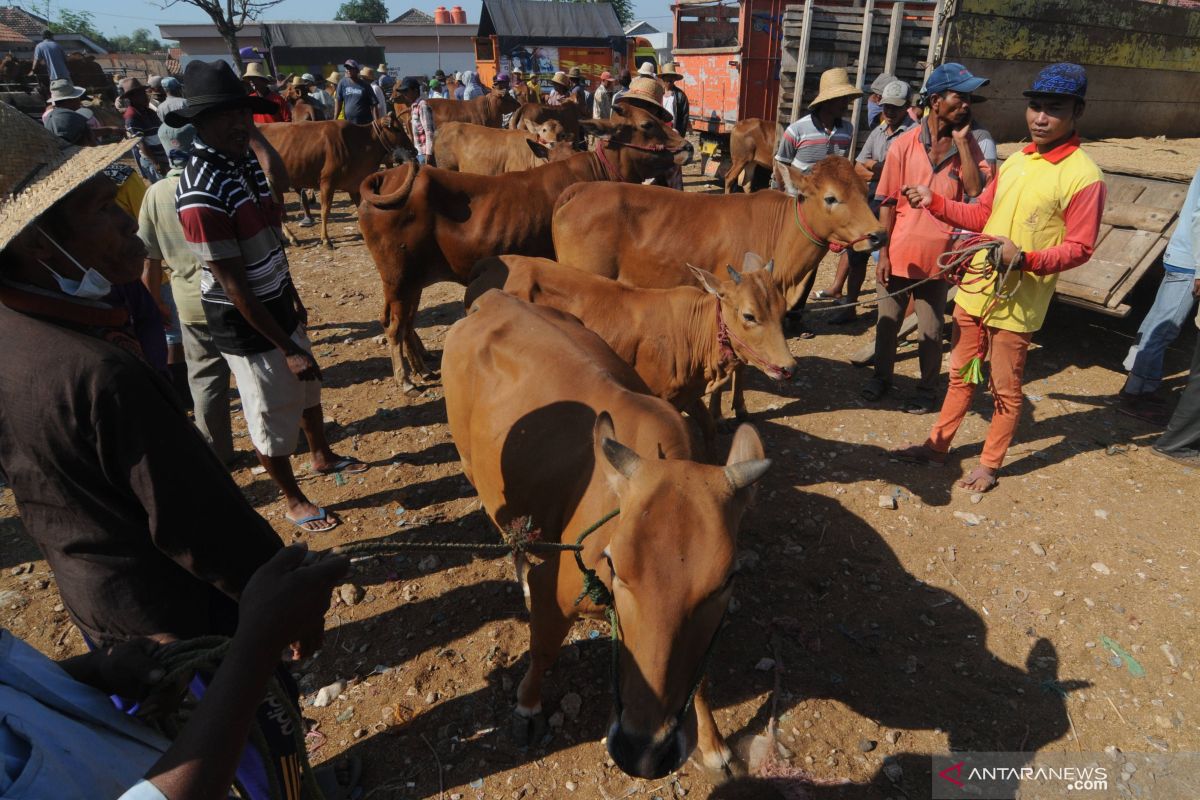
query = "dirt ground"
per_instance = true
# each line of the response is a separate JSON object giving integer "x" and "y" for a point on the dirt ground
{"x": 1056, "y": 613}
{"x": 1174, "y": 159}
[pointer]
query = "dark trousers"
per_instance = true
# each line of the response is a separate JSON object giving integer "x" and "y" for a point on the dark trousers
{"x": 930, "y": 302}
{"x": 1183, "y": 432}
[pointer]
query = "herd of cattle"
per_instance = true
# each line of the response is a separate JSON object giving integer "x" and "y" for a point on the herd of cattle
{"x": 599, "y": 309}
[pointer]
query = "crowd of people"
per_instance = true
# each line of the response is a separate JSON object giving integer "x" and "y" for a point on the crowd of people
{"x": 131, "y": 502}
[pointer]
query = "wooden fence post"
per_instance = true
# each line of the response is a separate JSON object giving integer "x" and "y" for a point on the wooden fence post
{"x": 864, "y": 50}
{"x": 894, "y": 33}
{"x": 802, "y": 59}
{"x": 934, "y": 36}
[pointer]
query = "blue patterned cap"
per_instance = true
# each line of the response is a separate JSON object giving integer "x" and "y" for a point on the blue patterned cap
{"x": 1069, "y": 80}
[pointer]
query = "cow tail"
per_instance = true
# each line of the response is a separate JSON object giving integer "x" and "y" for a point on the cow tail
{"x": 370, "y": 188}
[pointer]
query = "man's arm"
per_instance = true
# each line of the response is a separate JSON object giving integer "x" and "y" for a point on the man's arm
{"x": 968, "y": 170}
{"x": 968, "y": 216}
{"x": 152, "y": 280}
{"x": 337, "y": 101}
{"x": 286, "y": 600}
{"x": 887, "y": 218}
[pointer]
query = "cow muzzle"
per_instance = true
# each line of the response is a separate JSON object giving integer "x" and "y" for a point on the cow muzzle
{"x": 650, "y": 757}
{"x": 687, "y": 152}
{"x": 877, "y": 239}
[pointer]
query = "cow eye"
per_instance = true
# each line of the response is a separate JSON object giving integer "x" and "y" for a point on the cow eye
{"x": 748, "y": 317}
{"x": 830, "y": 199}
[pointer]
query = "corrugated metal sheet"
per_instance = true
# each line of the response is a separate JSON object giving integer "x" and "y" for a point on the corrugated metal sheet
{"x": 321, "y": 34}
{"x": 539, "y": 19}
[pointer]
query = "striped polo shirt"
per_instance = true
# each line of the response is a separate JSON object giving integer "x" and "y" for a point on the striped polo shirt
{"x": 805, "y": 142}
{"x": 227, "y": 211}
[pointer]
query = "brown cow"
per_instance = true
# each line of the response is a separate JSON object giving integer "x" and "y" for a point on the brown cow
{"x": 752, "y": 144}
{"x": 568, "y": 115}
{"x": 334, "y": 156}
{"x": 524, "y": 93}
{"x": 487, "y": 110}
{"x": 426, "y": 225}
{"x": 683, "y": 342}
{"x": 526, "y": 389}
{"x": 715, "y": 229}
{"x": 463, "y": 147}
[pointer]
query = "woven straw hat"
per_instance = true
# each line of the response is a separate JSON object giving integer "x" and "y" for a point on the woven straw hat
{"x": 255, "y": 69}
{"x": 366, "y": 73}
{"x": 560, "y": 80}
{"x": 334, "y": 77}
{"x": 647, "y": 93}
{"x": 37, "y": 171}
{"x": 835, "y": 83}
{"x": 670, "y": 70}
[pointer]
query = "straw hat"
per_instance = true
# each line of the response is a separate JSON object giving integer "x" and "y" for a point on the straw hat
{"x": 367, "y": 73}
{"x": 299, "y": 81}
{"x": 560, "y": 80}
{"x": 670, "y": 70}
{"x": 63, "y": 89}
{"x": 647, "y": 69}
{"x": 647, "y": 93}
{"x": 575, "y": 72}
{"x": 382, "y": 68}
{"x": 835, "y": 83}
{"x": 334, "y": 77}
{"x": 37, "y": 171}
{"x": 255, "y": 69}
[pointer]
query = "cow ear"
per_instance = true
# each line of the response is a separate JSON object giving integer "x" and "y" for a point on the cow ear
{"x": 746, "y": 465}
{"x": 618, "y": 461}
{"x": 752, "y": 262}
{"x": 707, "y": 280}
{"x": 540, "y": 150}
{"x": 530, "y": 125}
{"x": 801, "y": 180}
{"x": 597, "y": 127}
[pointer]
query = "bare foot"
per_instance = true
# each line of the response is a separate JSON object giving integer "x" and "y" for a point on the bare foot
{"x": 918, "y": 454}
{"x": 980, "y": 479}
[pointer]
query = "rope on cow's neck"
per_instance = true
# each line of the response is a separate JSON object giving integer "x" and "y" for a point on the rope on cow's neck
{"x": 183, "y": 659}
{"x": 811, "y": 235}
{"x": 610, "y": 170}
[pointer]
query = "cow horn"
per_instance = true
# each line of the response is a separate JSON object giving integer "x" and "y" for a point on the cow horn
{"x": 733, "y": 274}
{"x": 770, "y": 267}
{"x": 623, "y": 460}
{"x": 745, "y": 473}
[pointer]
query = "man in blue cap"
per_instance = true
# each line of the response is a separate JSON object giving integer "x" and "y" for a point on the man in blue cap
{"x": 1044, "y": 209}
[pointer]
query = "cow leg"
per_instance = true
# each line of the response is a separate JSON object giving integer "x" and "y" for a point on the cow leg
{"x": 699, "y": 412}
{"x": 715, "y": 756}
{"x": 394, "y": 322}
{"x": 738, "y": 399}
{"x": 548, "y": 627}
{"x": 326, "y": 205}
{"x": 418, "y": 356}
{"x": 734, "y": 174}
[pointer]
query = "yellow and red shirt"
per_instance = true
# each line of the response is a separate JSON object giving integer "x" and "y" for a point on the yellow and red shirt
{"x": 1050, "y": 205}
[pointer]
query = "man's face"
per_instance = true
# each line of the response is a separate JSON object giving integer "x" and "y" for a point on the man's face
{"x": 1051, "y": 118}
{"x": 409, "y": 96}
{"x": 74, "y": 104}
{"x": 894, "y": 114}
{"x": 352, "y": 73}
{"x": 837, "y": 108}
{"x": 875, "y": 97}
{"x": 259, "y": 86}
{"x": 227, "y": 131}
{"x": 951, "y": 107}
{"x": 139, "y": 99}
{"x": 101, "y": 235}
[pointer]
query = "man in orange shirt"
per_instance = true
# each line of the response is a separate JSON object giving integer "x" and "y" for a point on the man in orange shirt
{"x": 940, "y": 153}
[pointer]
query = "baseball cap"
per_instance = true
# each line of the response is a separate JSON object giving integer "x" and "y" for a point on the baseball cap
{"x": 895, "y": 93}
{"x": 1065, "y": 79}
{"x": 308, "y": 78}
{"x": 350, "y": 63}
{"x": 953, "y": 77}
{"x": 880, "y": 83}
{"x": 503, "y": 77}
{"x": 410, "y": 85}
{"x": 170, "y": 84}
{"x": 606, "y": 76}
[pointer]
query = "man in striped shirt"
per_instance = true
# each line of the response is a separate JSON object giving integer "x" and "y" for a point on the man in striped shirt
{"x": 823, "y": 132}
{"x": 232, "y": 222}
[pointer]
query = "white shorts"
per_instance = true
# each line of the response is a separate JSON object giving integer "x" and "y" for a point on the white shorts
{"x": 273, "y": 399}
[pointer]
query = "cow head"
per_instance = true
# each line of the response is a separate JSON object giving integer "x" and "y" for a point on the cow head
{"x": 833, "y": 200}
{"x": 752, "y": 308}
{"x": 393, "y": 134}
{"x": 549, "y": 131}
{"x": 672, "y": 559}
{"x": 638, "y": 142}
{"x": 503, "y": 101}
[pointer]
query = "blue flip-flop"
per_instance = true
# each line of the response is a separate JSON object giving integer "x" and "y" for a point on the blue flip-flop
{"x": 321, "y": 515}
{"x": 343, "y": 465}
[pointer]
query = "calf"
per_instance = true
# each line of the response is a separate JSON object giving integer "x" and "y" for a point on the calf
{"x": 487, "y": 110}
{"x": 463, "y": 147}
{"x": 335, "y": 155}
{"x": 683, "y": 342}
{"x": 527, "y": 389}
{"x": 569, "y": 115}
{"x": 752, "y": 144}
{"x": 423, "y": 225}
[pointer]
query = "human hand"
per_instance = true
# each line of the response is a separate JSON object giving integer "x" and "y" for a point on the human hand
{"x": 1196, "y": 288}
{"x": 127, "y": 669}
{"x": 918, "y": 196}
{"x": 961, "y": 133}
{"x": 1009, "y": 252}
{"x": 883, "y": 272}
{"x": 303, "y": 365}
{"x": 285, "y": 601}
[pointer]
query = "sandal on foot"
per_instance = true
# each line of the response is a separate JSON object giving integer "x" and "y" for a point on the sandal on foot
{"x": 348, "y": 465}
{"x": 875, "y": 388}
{"x": 921, "y": 403}
{"x": 821, "y": 294}
{"x": 976, "y": 475}
{"x": 321, "y": 516}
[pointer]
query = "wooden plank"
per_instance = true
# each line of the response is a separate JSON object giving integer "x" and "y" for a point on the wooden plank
{"x": 1122, "y": 290}
{"x": 1124, "y": 246}
{"x": 1123, "y": 190}
{"x": 1136, "y": 215}
{"x": 893, "y": 47}
{"x": 801, "y": 59}
{"x": 1094, "y": 281}
{"x": 864, "y": 51}
{"x": 939, "y": 22}
{"x": 1164, "y": 195}
{"x": 1102, "y": 232}
{"x": 1121, "y": 311}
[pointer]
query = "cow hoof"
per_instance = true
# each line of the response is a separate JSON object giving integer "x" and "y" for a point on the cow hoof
{"x": 328, "y": 244}
{"x": 730, "y": 769}
{"x": 528, "y": 731}
{"x": 412, "y": 391}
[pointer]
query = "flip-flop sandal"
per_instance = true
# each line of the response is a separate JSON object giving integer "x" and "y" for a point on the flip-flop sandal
{"x": 347, "y": 465}
{"x": 321, "y": 516}
{"x": 921, "y": 404}
{"x": 344, "y": 788}
{"x": 821, "y": 294}
{"x": 875, "y": 388}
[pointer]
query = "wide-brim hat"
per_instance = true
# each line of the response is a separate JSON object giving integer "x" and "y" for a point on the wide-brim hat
{"x": 366, "y": 72}
{"x": 130, "y": 86}
{"x": 560, "y": 79}
{"x": 647, "y": 69}
{"x": 63, "y": 89}
{"x": 381, "y": 68}
{"x": 37, "y": 171}
{"x": 575, "y": 72}
{"x": 300, "y": 80}
{"x": 255, "y": 69}
{"x": 648, "y": 94}
{"x": 670, "y": 70}
{"x": 334, "y": 77}
{"x": 213, "y": 87}
{"x": 835, "y": 84}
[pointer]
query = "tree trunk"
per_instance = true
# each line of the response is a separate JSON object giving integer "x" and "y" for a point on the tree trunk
{"x": 230, "y": 37}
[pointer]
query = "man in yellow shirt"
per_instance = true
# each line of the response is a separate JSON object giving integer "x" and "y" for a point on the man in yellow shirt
{"x": 1044, "y": 208}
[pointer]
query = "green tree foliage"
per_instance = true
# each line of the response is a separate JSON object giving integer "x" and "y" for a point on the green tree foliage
{"x": 362, "y": 11}
{"x": 624, "y": 9}
{"x": 82, "y": 22}
{"x": 140, "y": 42}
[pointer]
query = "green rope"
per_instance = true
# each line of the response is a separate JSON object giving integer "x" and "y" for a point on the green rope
{"x": 594, "y": 588}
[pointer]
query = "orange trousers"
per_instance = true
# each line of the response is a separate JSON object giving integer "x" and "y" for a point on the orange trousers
{"x": 1007, "y": 366}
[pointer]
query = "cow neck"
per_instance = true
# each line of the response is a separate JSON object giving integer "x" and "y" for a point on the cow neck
{"x": 712, "y": 355}
{"x": 607, "y": 168}
{"x": 791, "y": 240}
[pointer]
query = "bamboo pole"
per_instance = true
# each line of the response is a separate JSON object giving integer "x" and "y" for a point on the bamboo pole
{"x": 864, "y": 50}
{"x": 802, "y": 59}
{"x": 894, "y": 33}
{"x": 935, "y": 34}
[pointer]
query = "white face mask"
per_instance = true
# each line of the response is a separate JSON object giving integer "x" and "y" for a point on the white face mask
{"x": 93, "y": 285}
